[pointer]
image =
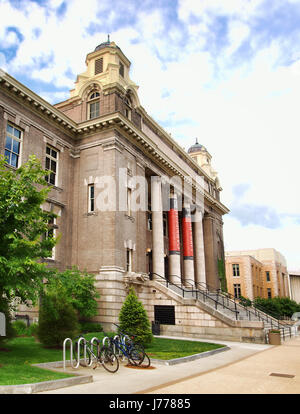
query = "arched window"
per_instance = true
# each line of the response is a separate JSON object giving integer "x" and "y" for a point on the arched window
{"x": 128, "y": 106}
{"x": 94, "y": 105}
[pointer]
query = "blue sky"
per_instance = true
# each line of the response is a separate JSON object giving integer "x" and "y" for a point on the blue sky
{"x": 226, "y": 72}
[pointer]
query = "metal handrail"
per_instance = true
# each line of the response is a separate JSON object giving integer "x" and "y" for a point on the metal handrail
{"x": 203, "y": 289}
{"x": 196, "y": 291}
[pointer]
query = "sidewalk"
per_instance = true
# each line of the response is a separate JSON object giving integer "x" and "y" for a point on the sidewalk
{"x": 273, "y": 371}
{"x": 245, "y": 368}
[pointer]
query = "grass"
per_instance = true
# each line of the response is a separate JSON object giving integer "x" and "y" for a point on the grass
{"x": 163, "y": 348}
{"x": 15, "y": 364}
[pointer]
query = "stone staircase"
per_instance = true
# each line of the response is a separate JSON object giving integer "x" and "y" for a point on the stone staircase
{"x": 230, "y": 307}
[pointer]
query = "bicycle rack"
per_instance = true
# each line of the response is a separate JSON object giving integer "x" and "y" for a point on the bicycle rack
{"x": 71, "y": 353}
{"x": 104, "y": 339}
{"x": 92, "y": 348}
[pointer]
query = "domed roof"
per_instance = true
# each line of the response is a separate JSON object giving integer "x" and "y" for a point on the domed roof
{"x": 108, "y": 43}
{"x": 196, "y": 147}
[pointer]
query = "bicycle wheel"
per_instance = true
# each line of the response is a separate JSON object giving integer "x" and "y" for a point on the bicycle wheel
{"x": 146, "y": 361}
{"x": 136, "y": 355}
{"x": 81, "y": 354}
{"x": 108, "y": 359}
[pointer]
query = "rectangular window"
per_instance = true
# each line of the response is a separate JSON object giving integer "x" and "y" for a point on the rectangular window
{"x": 164, "y": 314}
{"x": 128, "y": 260}
{"x": 268, "y": 276}
{"x": 94, "y": 110}
{"x": 237, "y": 290}
{"x": 129, "y": 193}
{"x": 236, "y": 269}
{"x": 51, "y": 164}
{"x": 91, "y": 189}
{"x": 121, "y": 69}
{"x": 98, "y": 66}
{"x": 12, "y": 150}
{"x": 149, "y": 220}
{"x": 269, "y": 293}
{"x": 50, "y": 233}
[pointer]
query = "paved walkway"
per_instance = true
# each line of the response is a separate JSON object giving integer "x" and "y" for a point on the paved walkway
{"x": 245, "y": 368}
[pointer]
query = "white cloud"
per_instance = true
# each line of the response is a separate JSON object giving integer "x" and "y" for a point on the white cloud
{"x": 245, "y": 113}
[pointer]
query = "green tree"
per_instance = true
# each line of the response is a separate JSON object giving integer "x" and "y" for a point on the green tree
{"x": 57, "y": 320}
{"x": 79, "y": 290}
{"x": 134, "y": 320}
{"x": 23, "y": 223}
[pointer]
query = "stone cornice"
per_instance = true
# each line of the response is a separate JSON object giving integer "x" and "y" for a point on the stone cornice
{"x": 36, "y": 102}
{"x": 115, "y": 120}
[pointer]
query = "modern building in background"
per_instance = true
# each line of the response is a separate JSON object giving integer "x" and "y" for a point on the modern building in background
{"x": 101, "y": 147}
{"x": 257, "y": 273}
{"x": 294, "y": 281}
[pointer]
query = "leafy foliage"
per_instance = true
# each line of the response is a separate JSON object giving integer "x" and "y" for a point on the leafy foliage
{"x": 78, "y": 288}
{"x": 133, "y": 319}
{"x": 277, "y": 307}
{"x": 244, "y": 301}
{"x": 57, "y": 320}
{"x": 22, "y": 225}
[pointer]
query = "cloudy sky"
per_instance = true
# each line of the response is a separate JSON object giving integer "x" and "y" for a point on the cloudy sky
{"x": 224, "y": 71}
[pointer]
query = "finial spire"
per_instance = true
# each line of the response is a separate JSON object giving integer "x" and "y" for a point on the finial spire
{"x": 108, "y": 40}
{"x": 197, "y": 141}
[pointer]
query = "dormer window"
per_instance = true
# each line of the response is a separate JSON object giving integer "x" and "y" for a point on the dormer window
{"x": 94, "y": 105}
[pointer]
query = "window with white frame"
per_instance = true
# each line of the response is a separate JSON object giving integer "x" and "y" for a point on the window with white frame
{"x": 91, "y": 196}
{"x": 51, "y": 165}
{"x": 237, "y": 290}
{"x": 94, "y": 105}
{"x": 12, "y": 151}
{"x": 236, "y": 269}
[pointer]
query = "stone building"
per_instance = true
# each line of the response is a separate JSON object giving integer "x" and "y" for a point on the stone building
{"x": 117, "y": 188}
{"x": 257, "y": 273}
{"x": 294, "y": 283}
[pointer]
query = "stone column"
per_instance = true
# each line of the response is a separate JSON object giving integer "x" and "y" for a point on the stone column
{"x": 174, "y": 241}
{"x": 199, "y": 256}
{"x": 187, "y": 241}
{"x": 211, "y": 254}
{"x": 158, "y": 262}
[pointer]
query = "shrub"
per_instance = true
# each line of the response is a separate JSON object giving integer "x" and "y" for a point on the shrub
{"x": 20, "y": 327}
{"x": 277, "y": 307}
{"x": 133, "y": 319}
{"x": 57, "y": 320}
{"x": 86, "y": 327}
{"x": 32, "y": 329}
{"x": 245, "y": 301}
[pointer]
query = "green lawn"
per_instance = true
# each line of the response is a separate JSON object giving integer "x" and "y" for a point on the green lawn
{"x": 15, "y": 364}
{"x": 162, "y": 348}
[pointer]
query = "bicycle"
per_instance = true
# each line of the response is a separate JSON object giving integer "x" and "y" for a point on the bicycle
{"x": 105, "y": 355}
{"x": 134, "y": 349}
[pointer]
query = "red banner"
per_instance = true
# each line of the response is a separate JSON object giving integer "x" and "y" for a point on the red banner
{"x": 187, "y": 235}
{"x": 174, "y": 240}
